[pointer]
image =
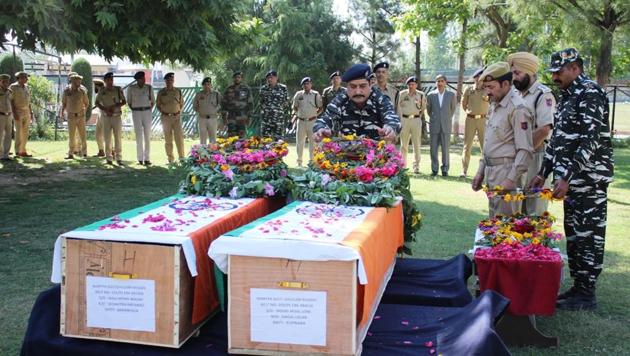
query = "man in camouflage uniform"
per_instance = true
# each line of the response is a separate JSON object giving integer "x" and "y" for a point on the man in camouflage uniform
{"x": 508, "y": 142}
{"x": 6, "y": 117}
{"x": 307, "y": 104}
{"x": 22, "y": 112}
{"x": 75, "y": 103}
{"x": 580, "y": 157}
{"x": 110, "y": 100}
{"x": 237, "y": 102}
{"x": 207, "y": 104}
{"x": 274, "y": 102}
{"x": 411, "y": 106}
{"x": 475, "y": 104}
{"x": 381, "y": 72}
{"x": 541, "y": 103}
{"x": 361, "y": 110}
{"x": 170, "y": 103}
{"x": 333, "y": 90}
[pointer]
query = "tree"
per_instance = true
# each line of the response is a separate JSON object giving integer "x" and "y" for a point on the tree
{"x": 376, "y": 28}
{"x": 10, "y": 64}
{"x": 84, "y": 69}
{"x": 193, "y": 32}
{"x": 42, "y": 96}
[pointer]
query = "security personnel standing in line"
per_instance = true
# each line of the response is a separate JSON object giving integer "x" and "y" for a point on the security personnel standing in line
{"x": 381, "y": 71}
{"x": 361, "y": 111}
{"x": 580, "y": 156}
{"x": 207, "y": 104}
{"x": 274, "y": 102}
{"x": 307, "y": 104}
{"x": 77, "y": 144}
{"x": 170, "y": 103}
{"x": 333, "y": 90}
{"x": 475, "y": 103}
{"x": 100, "y": 136}
{"x": 542, "y": 104}
{"x": 237, "y": 104}
{"x": 6, "y": 117}
{"x": 372, "y": 79}
{"x": 22, "y": 112}
{"x": 140, "y": 100}
{"x": 411, "y": 106}
{"x": 75, "y": 103}
{"x": 508, "y": 143}
{"x": 110, "y": 100}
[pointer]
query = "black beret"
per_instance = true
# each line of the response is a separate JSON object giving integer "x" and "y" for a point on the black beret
{"x": 169, "y": 75}
{"x": 381, "y": 65}
{"x": 108, "y": 75}
{"x": 305, "y": 80}
{"x": 138, "y": 75}
{"x": 357, "y": 71}
{"x": 270, "y": 73}
{"x": 411, "y": 79}
{"x": 371, "y": 76}
{"x": 237, "y": 73}
{"x": 206, "y": 80}
{"x": 334, "y": 74}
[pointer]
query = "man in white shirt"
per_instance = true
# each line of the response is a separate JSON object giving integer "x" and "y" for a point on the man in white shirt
{"x": 140, "y": 99}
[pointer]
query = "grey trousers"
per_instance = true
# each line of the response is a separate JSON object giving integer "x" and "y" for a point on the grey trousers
{"x": 441, "y": 139}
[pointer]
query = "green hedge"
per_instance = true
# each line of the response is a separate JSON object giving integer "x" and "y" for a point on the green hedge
{"x": 10, "y": 65}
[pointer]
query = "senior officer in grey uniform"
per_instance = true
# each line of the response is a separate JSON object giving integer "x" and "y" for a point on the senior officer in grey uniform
{"x": 362, "y": 110}
{"x": 237, "y": 103}
{"x": 110, "y": 100}
{"x": 542, "y": 104}
{"x": 381, "y": 72}
{"x": 6, "y": 117}
{"x": 307, "y": 104}
{"x": 274, "y": 102}
{"x": 140, "y": 100}
{"x": 410, "y": 109}
{"x": 475, "y": 104}
{"x": 207, "y": 104}
{"x": 441, "y": 105}
{"x": 581, "y": 159}
{"x": 508, "y": 144}
{"x": 334, "y": 89}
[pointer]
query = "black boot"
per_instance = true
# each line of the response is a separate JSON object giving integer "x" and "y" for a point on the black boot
{"x": 568, "y": 293}
{"x": 581, "y": 299}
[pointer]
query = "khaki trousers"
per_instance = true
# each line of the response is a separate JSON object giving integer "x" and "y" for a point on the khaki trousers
{"x": 172, "y": 127}
{"x": 207, "y": 128}
{"x": 536, "y": 206}
{"x": 472, "y": 127}
{"x": 76, "y": 124}
{"x": 494, "y": 176}
{"x": 112, "y": 124}
{"x": 304, "y": 130}
{"x": 100, "y": 136}
{"x": 6, "y": 131}
{"x": 21, "y": 131}
{"x": 142, "y": 129}
{"x": 411, "y": 130}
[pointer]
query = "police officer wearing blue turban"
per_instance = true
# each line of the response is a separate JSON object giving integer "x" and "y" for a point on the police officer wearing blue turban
{"x": 361, "y": 110}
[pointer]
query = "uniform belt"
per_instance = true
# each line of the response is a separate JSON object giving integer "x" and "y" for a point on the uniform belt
{"x": 144, "y": 108}
{"x": 75, "y": 114}
{"x": 5, "y": 113}
{"x": 168, "y": 114}
{"x": 476, "y": 116}
{"x": 497, "y": 161}
{"x": 410, "y": 116}
{"x": 307, "y": 118}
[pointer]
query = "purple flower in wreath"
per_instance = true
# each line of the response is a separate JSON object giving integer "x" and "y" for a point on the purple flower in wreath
{"x": 229, "y": 174}
{"x": 234, "y": 193}
{"x": 325, "y": 179}
{"x": 283, "y": 173}
{"x": 269, "y": 190}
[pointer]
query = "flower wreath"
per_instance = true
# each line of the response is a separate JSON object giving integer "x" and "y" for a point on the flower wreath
{"x": 519, "y": 228}
{"x": 234, "y": 167}
{"x": 359, "y": 171}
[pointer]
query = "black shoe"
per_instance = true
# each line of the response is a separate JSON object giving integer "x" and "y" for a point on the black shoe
{"x": 6, "y": 159}
{"x": 147, "y": 163}
{"x": 444, "y": 174}
{"x": 110, "y": 162}
{"x": 567, "y": 294}
{"x": 69, "y": 157}
{"x": 120, "y": 163}
{"x": 433, "y": 174}
{"x": 578, "y": 301}
{"x": 141, "y": 163}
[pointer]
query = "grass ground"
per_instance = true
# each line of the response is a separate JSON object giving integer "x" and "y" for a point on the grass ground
{"x": 46, "y": 195}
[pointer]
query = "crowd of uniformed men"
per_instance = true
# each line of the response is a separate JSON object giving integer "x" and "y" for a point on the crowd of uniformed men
{"x": 525, "y": 136}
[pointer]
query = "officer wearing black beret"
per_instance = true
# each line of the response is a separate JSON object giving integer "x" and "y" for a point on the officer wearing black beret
{"x": 274, "y": 102}
{"x": 381, "y": 71}
{"x": 237, "y": 104}
{"x": 361, "y": 110}
{"x": 334, "y": 89}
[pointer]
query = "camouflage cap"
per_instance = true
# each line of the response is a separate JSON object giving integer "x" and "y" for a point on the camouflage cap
{"x": 411, "y": 79}
{"x": 560, "y": 58}
{"x": 305, "y": 80}
{"x": 495, "y": 71}
{"x": 357, "y": 71}
{"x": 381, "y": 65}
{"x": 5, "y": 77}
{"x": 21, "y": 74}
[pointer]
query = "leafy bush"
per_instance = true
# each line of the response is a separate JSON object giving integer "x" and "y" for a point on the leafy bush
{"x": 10, "y": 64}
{"x": 42, "y": 100}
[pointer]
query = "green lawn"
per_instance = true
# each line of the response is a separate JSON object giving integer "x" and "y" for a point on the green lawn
{"x": 45, "y": 196}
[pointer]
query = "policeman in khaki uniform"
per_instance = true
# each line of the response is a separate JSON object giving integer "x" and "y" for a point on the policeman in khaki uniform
{"x": 381, "y": 72}
{"x": 110, "y": 100}
{"x": 140, "y": 100}
{"x": 75, "y": 103}
{"x": 411, "y": 106}
{"x": 77, "y": 144}
{"x": 475, "y": 104}
{"x": 508, "y": 144}
{"x": 542, "y": 104}
{"x": 207, "y": 104}
{"x": 100, "y": 136}
{"x": 307, "y": 104}
{"x": 170, "y": 103}
{"x": 6, "y": 117}
{"x": 22, "y": 112}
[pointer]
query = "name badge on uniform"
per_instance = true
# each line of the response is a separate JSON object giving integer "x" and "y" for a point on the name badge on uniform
{"x": 549, "y": 102}
{"x": 524, "y": 125}
{"x": 301, "y": 98}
